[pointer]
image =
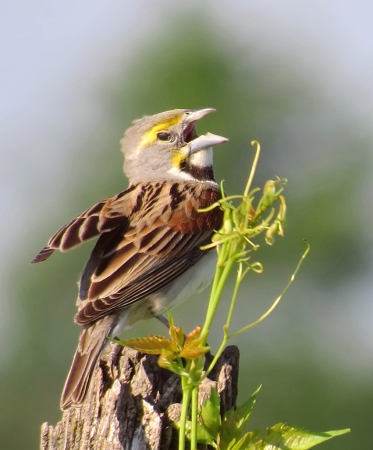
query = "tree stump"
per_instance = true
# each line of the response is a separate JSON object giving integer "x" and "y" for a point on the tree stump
{"x": 132, "y": 402}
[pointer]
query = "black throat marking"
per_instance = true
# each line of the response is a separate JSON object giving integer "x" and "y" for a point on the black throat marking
{"x": 198, "y": 173}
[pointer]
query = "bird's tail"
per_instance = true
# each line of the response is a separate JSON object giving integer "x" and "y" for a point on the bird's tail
{"x": 92, "y": 339}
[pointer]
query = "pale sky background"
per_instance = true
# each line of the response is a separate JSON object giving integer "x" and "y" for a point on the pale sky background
{"x": 53, "y": 55}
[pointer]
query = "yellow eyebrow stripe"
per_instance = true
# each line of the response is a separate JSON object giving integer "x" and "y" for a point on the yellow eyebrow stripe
{"x": 151, "y": 135}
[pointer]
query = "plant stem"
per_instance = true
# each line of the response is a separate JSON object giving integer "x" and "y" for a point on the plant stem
{"x": 217, "y": 289}
{"x": 227, "y": 325}
{"x": 234, "y": 297}
{"x": 184, "y": 411}
{"x": 194, "y": 414}
{"x": 216, "y": 357}
{"x": 253, "y": 167}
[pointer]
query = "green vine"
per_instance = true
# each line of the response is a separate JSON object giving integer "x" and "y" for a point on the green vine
{"x": 234, "y": 242}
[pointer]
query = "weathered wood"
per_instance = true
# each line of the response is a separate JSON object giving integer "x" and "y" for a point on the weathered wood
{"x": 132, "y": 402}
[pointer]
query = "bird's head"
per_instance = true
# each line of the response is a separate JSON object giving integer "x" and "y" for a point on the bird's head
{"x": 166, "y": 146}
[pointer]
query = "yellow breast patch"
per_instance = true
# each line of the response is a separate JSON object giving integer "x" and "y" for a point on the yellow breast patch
{"x": 178, "y": 158}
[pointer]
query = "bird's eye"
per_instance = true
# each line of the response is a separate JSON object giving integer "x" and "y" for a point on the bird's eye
{"x": 163, "y": 136}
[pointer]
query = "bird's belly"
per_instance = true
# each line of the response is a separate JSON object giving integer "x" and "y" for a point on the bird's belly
{"x": 193, "y": 281}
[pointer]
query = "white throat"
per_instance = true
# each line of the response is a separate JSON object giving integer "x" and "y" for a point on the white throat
{"x": 203, "y": 158}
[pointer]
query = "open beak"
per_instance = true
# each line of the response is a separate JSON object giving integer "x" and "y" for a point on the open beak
{"x": 195, "y": 143}
{"x": 196, "y": 114}
{"x": 205, "y": 141}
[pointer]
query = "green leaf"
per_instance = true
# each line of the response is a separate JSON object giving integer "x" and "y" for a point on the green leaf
{"x": 152, "y": 344}
{"x": 283, "y": 437}
{"x": 299, "y": 439}
{"x": 210, "y": 414}
{"x": 254, "y": 440}
{"x": 192, "y": 347}
{"x": 235, "y": 421}
{"x": 203, "y": 437}
{"x": 192, "y": 352}
{"x": 176, "y": 333}
{"x": 193, "y": 334}
{"x": 166, "y": 361}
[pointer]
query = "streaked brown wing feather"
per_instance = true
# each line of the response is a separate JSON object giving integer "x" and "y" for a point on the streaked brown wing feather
{"x": 142, "y": 266}
{"x": 160, "y": 244}
{"x": 103, "y": 217}
{"x": 155, "y": 278}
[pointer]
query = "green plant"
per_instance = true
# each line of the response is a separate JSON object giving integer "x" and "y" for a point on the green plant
{"x": 228, "y": 433}
{"x": 234, "y": 242}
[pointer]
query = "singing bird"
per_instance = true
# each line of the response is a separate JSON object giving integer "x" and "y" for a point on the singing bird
{"x": 148, "y": 255}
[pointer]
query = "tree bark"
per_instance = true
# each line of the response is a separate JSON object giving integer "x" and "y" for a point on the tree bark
{"x": 132, "y": 402}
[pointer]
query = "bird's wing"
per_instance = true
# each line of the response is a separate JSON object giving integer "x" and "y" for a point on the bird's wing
{"x": 161, "y": 242}
{"x": 101, "y": 218}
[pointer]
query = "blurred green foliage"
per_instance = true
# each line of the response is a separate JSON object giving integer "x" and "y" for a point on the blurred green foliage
{"x": 193, "y": 65}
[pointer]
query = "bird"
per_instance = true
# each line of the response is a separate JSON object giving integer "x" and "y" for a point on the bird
{"x": 148, "y": 255}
